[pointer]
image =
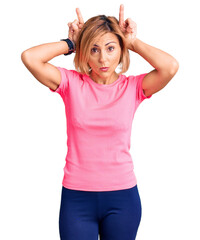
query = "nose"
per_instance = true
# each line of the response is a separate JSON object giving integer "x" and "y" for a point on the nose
{"x": 102, "y": 56}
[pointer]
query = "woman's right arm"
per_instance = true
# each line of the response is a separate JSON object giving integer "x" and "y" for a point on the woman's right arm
{"x": 36, "y": 61}
{"x": 36, "y": 58}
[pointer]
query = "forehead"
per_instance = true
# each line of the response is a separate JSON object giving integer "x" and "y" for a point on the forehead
{"x": 105, "y": 38}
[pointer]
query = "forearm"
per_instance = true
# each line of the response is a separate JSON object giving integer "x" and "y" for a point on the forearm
{"x": 45, "y": 52}
{"x": 159, "y": 59}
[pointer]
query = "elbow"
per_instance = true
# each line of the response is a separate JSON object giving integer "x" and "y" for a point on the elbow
{"x": 24, "y": 56}
{"x": 174, "y": 67}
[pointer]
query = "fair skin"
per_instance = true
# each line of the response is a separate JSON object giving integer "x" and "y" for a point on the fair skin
{"x": 37, "y": 58}
{"x": 165, "y": 66}
{"x": 105, "y": 53}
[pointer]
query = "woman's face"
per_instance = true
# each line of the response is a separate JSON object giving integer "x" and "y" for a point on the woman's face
{"x": 105, "y": 52}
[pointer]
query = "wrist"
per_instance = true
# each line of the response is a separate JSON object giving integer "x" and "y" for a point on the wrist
{"x": 71, "y": 45}
{"x": 73, "y": 42}
{"x": 131, "y": 44}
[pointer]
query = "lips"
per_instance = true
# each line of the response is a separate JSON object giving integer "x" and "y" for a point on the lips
{"x": 104, "y": 69}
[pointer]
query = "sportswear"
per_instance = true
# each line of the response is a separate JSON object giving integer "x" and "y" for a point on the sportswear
{"x": 99, "y": 120}
{"x": 100, "y": 215}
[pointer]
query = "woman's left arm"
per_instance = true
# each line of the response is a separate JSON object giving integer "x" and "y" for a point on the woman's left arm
{"x": 165, "y": 66}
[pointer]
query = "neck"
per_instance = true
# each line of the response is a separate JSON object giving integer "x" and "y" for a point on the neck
{"x": 107, "y": 80}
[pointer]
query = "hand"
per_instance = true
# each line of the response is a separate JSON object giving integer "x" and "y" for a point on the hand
{"x": 128, "y": 27}
{"x": 75, "y": 26}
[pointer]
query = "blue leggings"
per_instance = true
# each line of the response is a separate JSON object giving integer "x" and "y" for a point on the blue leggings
{"x": 112, "y": 215}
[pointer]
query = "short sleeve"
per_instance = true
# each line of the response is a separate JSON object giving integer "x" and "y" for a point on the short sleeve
{"x": 62, "y": 88}
{"x": 140, "y": 96}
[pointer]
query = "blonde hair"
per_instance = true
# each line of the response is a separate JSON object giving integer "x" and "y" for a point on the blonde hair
{"x": 95, "y": 27}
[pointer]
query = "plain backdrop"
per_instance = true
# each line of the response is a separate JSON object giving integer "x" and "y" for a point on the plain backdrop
{"x": 165, "y": 131}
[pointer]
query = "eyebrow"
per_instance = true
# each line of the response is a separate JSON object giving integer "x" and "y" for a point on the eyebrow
{"x": 105, "y": 44}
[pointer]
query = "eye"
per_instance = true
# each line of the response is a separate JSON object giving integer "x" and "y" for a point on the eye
{"x": 111, "y": 49}
{"x": 94, "y": 50}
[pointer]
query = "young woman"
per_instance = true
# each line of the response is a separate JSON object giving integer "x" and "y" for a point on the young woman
{"x": 99, "y": 188}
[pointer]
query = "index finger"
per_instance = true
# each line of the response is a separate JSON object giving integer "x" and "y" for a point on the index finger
{"x": 80, "y": 18}
{"x": 121, "y": 14}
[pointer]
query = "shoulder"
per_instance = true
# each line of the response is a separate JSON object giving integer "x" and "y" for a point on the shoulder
{"x": 69, "y": 73}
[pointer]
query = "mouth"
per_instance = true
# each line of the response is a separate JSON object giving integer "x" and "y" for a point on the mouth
{"x": 104, "y": 69}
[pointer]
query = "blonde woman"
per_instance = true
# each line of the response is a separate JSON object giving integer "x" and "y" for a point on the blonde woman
{"x": 99, "y": 188}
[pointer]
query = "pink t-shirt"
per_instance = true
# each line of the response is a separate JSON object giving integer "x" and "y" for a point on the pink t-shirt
{"x": 99, "y": 121}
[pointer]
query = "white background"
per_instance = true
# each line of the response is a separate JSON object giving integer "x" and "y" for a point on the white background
{"x": 165, "y": 132}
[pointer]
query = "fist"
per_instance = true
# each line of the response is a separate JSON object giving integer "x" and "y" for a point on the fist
{"x": 75, "y": 26}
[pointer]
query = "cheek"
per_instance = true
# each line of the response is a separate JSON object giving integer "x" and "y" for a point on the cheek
{"x": 92, "y": 61}
{"x": 115, "y": 58}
